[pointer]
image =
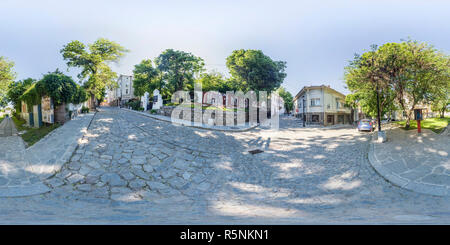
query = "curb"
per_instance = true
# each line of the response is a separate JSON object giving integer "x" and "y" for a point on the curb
{"x": 389, "y": 176}
{"x": 191, "y": 126}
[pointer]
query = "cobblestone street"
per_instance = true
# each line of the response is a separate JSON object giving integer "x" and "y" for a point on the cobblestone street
{"x": 135, "y": 170}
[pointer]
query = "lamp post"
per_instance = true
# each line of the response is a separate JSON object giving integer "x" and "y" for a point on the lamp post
{"x": 378, "y": 109}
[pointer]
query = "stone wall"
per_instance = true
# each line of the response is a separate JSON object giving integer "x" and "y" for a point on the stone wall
{"x": 61, "y": 114}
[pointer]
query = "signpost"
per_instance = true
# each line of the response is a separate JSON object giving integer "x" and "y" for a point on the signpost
{"x": 418, "y": 116}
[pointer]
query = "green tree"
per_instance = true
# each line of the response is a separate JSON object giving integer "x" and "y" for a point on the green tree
{"x": 256, "y": 71}
{"x": 364, "y": 78}
{"x": 79, "y": 96}
{"x": 426, "y": 73}
{"x": 441, "y": 105}
{"x": 16, "y": 90}
{"x": 287, "y": 97}
{"x": 7, "y": 76}
{"x": 145, "y": 78}
{"x": 94, "y": 61}
{"x": 407, "y": 73}
{"x": 214, "y": 81}
{"x": 61, "y": 88}
{"x": 178, "y": 69}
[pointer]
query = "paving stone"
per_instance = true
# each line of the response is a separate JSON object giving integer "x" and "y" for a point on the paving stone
{"x": 438, "y": 179}
{"x": 3, "y": 181}
{"x": 55, "y": 182}
{"x": 75, "y": 178}
{"x": 148, "y": 168}
{"x": 84, "y": 187}
{"x": 137, "y": 184}
{"x": 113, "y": 179}
{"x": 127, "y": 175}
{"x": 141, "y": 174}
{"x": 92, "y": 179}
{"x": 93, "y": 164}
{"x": 156, "y": 185}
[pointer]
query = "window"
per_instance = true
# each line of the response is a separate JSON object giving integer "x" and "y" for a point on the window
{"x": 338, "y": 104}
{"x": 330, "y": 119}
{"x": 315, "y": 118}
{"x": 315, "y": 102}
{"x": 126, "y": 91}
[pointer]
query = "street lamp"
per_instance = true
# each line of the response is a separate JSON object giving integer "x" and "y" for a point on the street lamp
{"x": 378, "y": 109}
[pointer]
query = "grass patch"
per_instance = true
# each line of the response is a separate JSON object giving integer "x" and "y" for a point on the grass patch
{"x": 436, "y": 124}
{"x": 33, "y": 135}
{"x": 20, "y": 124}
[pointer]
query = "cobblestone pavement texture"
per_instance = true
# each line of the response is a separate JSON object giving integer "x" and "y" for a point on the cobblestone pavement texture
{"x": 418, "y": 162}
{"x": 131, "y": 169}
{"x": 22, "y": 170}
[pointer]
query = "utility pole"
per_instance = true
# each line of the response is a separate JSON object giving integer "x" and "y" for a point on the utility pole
{"x": 304, "y": 116}
{"x": 378, "y": 109}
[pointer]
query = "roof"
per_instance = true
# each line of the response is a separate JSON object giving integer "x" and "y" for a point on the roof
{"x": 315, "y": 87}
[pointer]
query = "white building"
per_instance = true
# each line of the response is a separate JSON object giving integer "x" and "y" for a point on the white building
{"x": 321, "y": 105}
{"x": 123, "y": 93}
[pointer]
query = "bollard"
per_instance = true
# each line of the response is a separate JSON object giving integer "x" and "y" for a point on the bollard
{"x": 418, "y": 127}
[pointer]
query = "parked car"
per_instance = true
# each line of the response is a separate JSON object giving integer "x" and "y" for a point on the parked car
{"x": 366, "y": 125}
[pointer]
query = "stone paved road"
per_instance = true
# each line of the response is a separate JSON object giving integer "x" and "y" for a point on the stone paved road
{"x": 132, "y": 169}
{"x": 22, "y": 170}
{"x": 418, "y": 162}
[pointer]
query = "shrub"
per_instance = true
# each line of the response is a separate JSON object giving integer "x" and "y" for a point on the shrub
{"x": 84, "y": 109}
{"x": 134, "y": 104}
{"x": 153, "y": 111}
{"x": 172, "y": 104}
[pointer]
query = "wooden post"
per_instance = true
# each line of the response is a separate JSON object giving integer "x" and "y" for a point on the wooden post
{"x": 418, "y": 127}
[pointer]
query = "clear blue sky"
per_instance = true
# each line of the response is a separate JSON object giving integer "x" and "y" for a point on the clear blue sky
{"x": 315, "y": 38}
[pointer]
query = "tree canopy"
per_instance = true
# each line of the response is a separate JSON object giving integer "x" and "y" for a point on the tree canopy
{"x": 287, "y": 97}
{"x": 17, "y": 89}
{"x": 214, "y": 81}
{"x": 145, "y": 78}
{"x": 256, "y": 71}
{"x": 178, "y": 69}
{"x": 58, "y": 86}
{"x": 405, "y": 74}
{"x": 7, "y": 76}
{"x": 94, "y": 61}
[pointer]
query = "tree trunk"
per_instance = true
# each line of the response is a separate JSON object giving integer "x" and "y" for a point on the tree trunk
{"x": 408, "y": 119}
{"x": 92, "y": 103}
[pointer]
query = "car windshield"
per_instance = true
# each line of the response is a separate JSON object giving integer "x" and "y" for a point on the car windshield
{"x": 365, "y": 122}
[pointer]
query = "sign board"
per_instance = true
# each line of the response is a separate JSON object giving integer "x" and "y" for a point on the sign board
{"x": 157, "y": 100}
{"x": 418, "y": 114}
{"x": 144, "y": 101}
{"x": 47, "y": 110}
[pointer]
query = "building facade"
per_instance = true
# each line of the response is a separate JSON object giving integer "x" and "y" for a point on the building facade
{"x": 123, "y": 93}
{"x": 321, "y": 105}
